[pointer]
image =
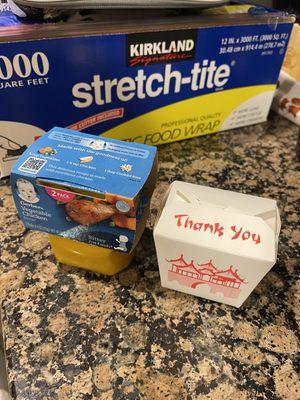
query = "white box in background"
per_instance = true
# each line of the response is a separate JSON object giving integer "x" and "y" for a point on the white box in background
{"x": 287, "y": 98}
{"x": 214, "y": 243}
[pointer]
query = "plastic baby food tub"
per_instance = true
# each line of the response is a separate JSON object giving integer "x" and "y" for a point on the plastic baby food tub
{"x": 86, "y": 256}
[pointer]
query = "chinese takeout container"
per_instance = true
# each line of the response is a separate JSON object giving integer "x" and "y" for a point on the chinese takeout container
{"x": 215, "y": 244}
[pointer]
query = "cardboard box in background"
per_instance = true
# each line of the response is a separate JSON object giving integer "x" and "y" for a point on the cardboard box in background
{"x": 149, "y": 79}
{"x": 287, "y": 97}
{"x": 215, "y": 244}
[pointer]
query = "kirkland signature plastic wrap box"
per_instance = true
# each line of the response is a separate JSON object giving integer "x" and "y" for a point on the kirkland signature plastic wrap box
{"x": 153, "y": 78}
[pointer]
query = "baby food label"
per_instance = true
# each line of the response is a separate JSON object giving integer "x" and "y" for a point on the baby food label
{"x": 98, "y": 144}
{"x": 60, "y": 195}
{"x": 85, "y": 188}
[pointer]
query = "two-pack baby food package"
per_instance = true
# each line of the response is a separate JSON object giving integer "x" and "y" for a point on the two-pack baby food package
{"x": 92, "y": 195}
{"x": 154, "y": 76}
{"x": 214, "y": 243}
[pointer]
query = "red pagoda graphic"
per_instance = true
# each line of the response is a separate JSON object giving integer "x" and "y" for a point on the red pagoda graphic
{"x": 226, "y": 281}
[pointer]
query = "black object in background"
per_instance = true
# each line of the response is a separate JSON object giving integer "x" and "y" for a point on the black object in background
{"x": 292, "y": 6}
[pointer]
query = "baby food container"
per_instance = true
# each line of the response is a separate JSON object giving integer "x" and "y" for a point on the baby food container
{"x": 94, "y": 258}
{"x": 90, "y": 194}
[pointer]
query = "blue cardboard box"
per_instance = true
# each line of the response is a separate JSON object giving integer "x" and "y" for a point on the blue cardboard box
{"x": 85, "y": 188}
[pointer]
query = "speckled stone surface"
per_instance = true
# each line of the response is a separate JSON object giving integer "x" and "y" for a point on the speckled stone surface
{"x": 72, "y": 335}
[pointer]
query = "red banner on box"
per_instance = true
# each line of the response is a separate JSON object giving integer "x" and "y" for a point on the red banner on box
{"x": 97, "y": 118}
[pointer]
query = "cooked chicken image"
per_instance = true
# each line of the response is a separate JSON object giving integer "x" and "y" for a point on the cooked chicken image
{"x": 86, "y": 212}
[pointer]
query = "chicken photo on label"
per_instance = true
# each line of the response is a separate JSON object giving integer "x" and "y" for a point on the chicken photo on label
{"x": 86, "y": 212}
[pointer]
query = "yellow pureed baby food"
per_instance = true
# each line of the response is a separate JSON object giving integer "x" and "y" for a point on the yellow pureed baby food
{"x": 91, "y": 195}
{"x": 94, "y": 258}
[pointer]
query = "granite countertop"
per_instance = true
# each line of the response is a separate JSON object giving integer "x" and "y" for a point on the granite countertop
{"x": 70, "y": 334}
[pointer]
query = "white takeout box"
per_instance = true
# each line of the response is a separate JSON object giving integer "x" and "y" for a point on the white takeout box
{"x": 214, "y": 243}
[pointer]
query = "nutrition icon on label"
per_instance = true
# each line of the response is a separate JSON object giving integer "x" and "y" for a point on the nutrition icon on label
{"x": 126, "y": 167}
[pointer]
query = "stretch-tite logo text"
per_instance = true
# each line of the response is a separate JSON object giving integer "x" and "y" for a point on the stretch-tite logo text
{"x": 159, "y": 47}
